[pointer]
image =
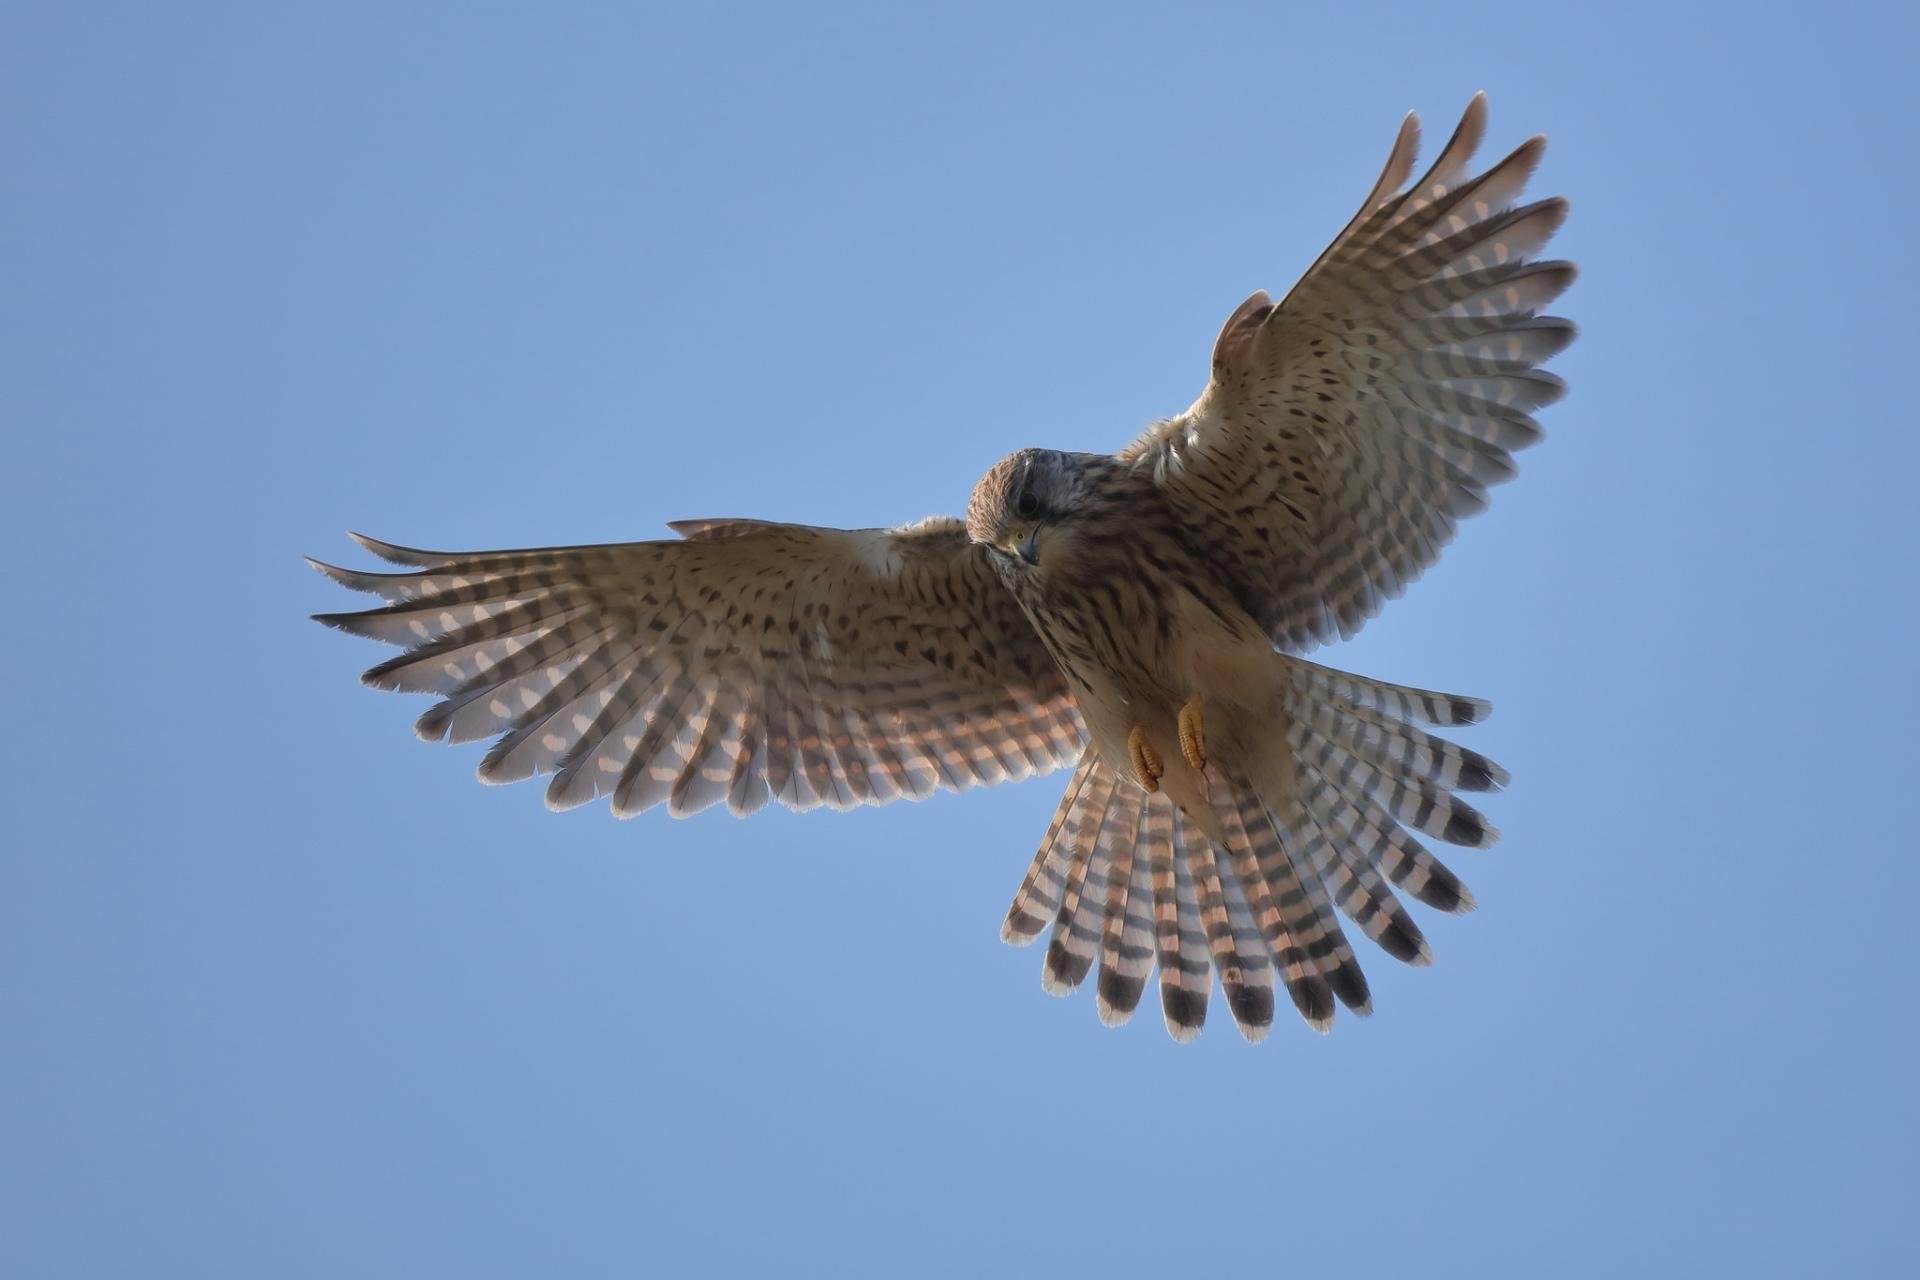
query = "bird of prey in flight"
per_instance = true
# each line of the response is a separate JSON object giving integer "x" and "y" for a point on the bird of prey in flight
{"x": 1138, "y": 617}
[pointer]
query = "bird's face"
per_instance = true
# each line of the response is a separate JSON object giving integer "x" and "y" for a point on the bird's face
{"x": 1022, "y": 501}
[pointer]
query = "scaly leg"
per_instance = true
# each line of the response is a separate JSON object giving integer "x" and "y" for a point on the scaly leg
{"x": 1146, "y": 761}
{"x": 1193, "y": 734}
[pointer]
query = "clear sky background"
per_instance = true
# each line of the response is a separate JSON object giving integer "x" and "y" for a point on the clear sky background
{"x": 285, "y": 993}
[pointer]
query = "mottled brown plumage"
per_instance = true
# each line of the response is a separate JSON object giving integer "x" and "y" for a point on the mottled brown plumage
{"x": 1140, "y": 614}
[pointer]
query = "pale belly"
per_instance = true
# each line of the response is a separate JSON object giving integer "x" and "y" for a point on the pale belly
{"x": 1140, "y": 676}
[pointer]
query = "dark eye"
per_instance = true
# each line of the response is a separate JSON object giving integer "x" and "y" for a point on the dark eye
{"x": 1028, "y": 506}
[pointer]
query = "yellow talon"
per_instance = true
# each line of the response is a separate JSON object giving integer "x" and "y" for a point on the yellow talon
{"x": 1193, "y": 734}
{"x": 1146, "y": 761}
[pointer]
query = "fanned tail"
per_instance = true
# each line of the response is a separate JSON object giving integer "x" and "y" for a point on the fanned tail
{"x": 1316, "y": 827}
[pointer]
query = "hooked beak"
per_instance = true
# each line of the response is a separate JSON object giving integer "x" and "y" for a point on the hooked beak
{"x": 1025, "y": 548}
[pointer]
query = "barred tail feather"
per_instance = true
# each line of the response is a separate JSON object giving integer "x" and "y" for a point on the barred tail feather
{"x": 1070, "y": 950}
{"x": 1364, "y": 773}
{"x": 1296, "y": 932}
{"x": 1126, "y": 936}
{"x": 1313, "y": 682}
{"x": 1410, "y": 802}
{"x": 1239, "y": 953}
{"x": 1331, "y": 952}
{"x": 1183, "y": 994}
{"x": 1040, "y": 893}
{"x": 1364, "y": 898}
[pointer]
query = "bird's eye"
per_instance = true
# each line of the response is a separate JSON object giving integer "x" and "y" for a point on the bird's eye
{"x": 1028, "y": 506}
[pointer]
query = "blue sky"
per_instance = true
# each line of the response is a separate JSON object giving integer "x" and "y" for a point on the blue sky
{"x": 286, "y": 993}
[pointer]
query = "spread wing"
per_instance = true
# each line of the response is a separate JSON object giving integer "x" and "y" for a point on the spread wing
{"x": 1346, "y": 430}
{"x": 749, "y": 661}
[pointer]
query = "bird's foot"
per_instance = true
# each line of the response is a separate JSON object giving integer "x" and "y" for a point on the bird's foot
{"x": 1193, "y": 734}
{"x": 1146, "y": 761}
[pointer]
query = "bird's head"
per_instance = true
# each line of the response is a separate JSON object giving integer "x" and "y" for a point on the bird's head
{"x": 1023, "y": 499}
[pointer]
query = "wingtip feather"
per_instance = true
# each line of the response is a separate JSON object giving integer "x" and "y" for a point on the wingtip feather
{"x": 560, "y": 803}
{"x": 486, "y": 777}
{"x": 325, "y": 570}
{"x": 393, "y": 553}
{"x": 351, "y": 579}
{"x": 432, "y": 724}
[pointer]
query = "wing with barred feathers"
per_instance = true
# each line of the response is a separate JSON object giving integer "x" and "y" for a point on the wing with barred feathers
{"x": 1346, "y": 430}
{"x": 750, "y": 661}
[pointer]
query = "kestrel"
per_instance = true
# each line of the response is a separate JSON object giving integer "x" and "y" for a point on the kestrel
{"x": 1139, "y": 616}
